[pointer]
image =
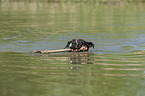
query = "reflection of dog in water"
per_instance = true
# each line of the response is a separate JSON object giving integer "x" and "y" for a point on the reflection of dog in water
{"x": 80, "y": 58}
{"x": 79, "y": 45}
{"x": 75, "y": 59}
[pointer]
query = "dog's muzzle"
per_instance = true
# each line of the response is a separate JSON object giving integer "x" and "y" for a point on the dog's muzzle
{"x": 76, "y": 48}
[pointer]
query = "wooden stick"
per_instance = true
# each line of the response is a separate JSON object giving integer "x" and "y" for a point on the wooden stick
{"x": 83, "y": 48}
{"x": 50, "y": 51}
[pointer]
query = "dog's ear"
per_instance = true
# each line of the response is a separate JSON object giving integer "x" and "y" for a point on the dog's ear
{"x": 68, "y": 43}
{"x": 90, "y": 44}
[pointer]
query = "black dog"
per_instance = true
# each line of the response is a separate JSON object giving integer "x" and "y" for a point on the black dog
{"x": 79, "y": 45}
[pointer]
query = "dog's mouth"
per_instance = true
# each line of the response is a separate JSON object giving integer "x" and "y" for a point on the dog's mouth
{"x": 83, "y": 48}
{"x": 75, "y": 50}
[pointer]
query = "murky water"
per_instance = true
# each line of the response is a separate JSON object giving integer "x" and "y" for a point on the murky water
{"x": 115, "y": 67}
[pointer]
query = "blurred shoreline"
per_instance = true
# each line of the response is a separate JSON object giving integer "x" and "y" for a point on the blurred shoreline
{"x": 34, "y": 5}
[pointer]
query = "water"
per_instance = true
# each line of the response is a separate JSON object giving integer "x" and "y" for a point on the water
{"x": 115, "y": 67}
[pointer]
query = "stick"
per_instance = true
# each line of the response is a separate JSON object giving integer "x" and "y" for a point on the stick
{"x": 50, "y": 51}
{"x": 83, "y": 48}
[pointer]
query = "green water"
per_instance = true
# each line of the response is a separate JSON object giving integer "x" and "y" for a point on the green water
{"x": 115, "y": 67}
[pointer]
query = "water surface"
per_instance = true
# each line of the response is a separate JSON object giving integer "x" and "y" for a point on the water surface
{"x": 115, "y": 67}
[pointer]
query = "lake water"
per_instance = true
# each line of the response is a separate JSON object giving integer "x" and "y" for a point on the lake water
{"x": 115, "y": 67}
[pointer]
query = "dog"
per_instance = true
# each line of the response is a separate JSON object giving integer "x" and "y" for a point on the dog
{"x": 79, "y": 45}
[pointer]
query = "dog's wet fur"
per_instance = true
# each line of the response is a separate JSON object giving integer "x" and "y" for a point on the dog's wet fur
{"x": 78, "y": 44}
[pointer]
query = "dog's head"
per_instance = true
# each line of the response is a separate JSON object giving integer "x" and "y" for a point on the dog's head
{"x": 78, "y": 44}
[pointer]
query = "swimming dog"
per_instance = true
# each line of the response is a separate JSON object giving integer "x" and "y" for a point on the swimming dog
{"x": 79, "y": 45}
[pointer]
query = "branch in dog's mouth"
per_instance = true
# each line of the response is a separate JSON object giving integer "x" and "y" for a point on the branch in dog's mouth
{"x": 75, "y": 45}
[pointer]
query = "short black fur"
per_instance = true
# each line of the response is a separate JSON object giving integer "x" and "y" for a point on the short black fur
{"x": 78, "y": 43}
